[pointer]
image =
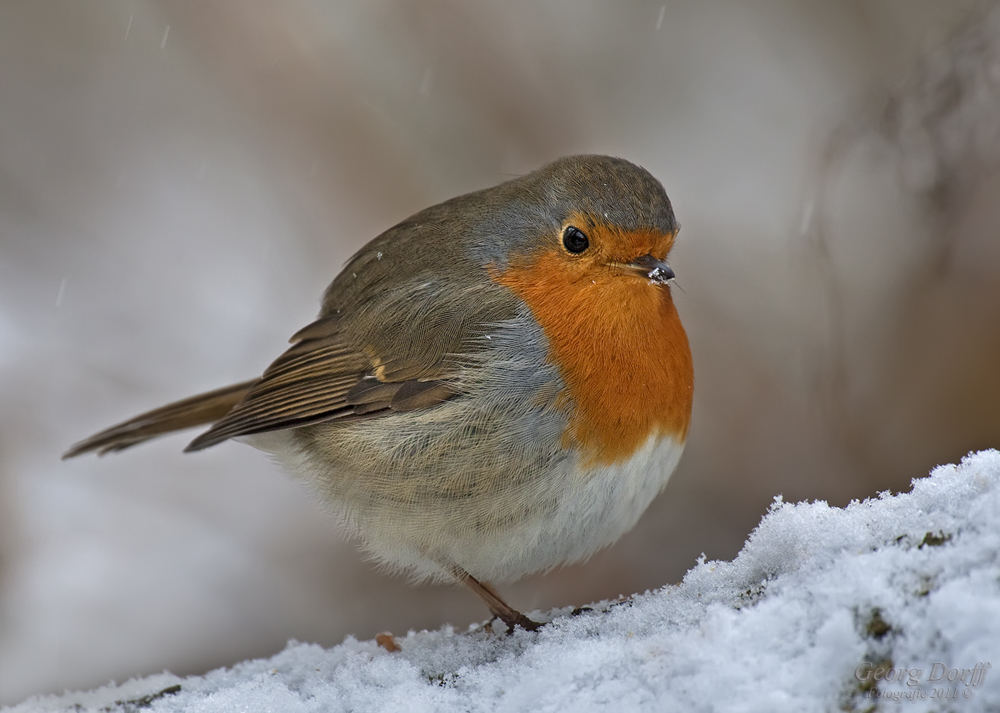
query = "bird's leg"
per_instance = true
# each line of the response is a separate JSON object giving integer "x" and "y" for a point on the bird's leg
{"x": 497, "y": 606}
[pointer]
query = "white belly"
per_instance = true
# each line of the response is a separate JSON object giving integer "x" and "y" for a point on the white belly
{"x": 565, "y": 517}
{"x": 594, "y": 509}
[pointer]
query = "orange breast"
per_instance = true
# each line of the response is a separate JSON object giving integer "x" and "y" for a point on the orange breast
{"x": 620, "y": 347}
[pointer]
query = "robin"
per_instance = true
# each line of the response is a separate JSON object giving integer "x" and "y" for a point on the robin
{"x": 498, "y": 385}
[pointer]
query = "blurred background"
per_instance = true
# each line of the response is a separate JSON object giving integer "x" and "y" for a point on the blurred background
{"x": 180, "y": 181}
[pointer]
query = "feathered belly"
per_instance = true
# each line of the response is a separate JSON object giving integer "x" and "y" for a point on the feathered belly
{"x": 525, "y": 515}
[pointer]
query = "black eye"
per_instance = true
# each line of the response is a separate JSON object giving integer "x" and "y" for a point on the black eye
{"x": 574, "y": 240}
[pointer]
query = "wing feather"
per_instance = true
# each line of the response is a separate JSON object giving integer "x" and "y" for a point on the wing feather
{"x": 317, "y": 379}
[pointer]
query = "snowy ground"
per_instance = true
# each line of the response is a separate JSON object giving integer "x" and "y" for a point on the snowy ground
{"x": 819, "y": 603}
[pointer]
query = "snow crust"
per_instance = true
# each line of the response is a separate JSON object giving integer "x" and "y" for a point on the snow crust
{"x": 817, "y": 603}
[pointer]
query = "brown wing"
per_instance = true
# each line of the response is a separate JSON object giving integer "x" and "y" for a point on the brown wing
{"x": 392, "y": 323}
{"x": 317, "y": 379}
{"x": 321, "y": 379}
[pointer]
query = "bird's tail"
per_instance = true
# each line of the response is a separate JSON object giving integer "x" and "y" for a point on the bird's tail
{"x": 195, "y": 411}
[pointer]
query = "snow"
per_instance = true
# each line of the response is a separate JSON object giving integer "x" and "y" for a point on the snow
{"x": 905, "y": 586}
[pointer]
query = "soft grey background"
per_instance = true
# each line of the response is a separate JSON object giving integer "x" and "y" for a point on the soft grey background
{"x": 179, "y": 182}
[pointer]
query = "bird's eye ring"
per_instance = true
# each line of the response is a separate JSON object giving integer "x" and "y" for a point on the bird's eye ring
{"x": 574, "y": 240}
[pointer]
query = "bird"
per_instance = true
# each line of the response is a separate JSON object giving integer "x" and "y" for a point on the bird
{"x": 496, "y": 386}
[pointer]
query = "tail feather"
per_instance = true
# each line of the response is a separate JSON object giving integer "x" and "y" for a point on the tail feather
{"x": 195, "y": 411}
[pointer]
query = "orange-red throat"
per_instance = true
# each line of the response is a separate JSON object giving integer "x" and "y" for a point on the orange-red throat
{"x": 615, "y": 336}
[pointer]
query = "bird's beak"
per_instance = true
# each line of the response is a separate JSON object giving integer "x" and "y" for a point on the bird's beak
{"x": 652, "y": 268}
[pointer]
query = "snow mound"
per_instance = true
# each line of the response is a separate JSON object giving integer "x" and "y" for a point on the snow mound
{"x": 892, "y": 602}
